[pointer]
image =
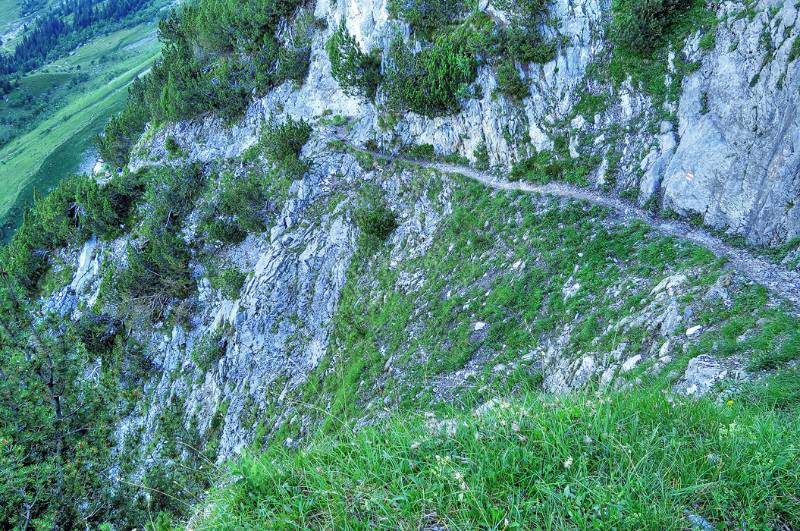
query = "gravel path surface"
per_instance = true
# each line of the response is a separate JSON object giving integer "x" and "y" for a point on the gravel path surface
{"x": 781, "y": 281}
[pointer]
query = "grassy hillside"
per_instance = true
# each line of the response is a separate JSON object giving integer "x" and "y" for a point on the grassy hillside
{"x": 637, "y": 460}
{"x": 9, "y": 12}
{"x": 72, "y": 98}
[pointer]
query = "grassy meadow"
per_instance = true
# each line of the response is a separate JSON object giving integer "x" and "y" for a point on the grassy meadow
{"x": 72, "y": 98}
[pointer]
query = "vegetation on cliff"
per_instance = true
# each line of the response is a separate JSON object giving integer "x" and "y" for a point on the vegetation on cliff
{"x": 456, "y": 315}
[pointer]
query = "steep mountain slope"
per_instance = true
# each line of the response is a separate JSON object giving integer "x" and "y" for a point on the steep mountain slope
{"x": 53, "y": 108}
{"x": 304, "y": 267}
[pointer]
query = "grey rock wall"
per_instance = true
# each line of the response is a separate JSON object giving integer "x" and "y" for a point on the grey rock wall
{"x": 730, "y": 155}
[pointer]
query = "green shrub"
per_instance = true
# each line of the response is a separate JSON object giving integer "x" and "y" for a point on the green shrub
{"x": 420, "y": 151}
{"x": 641, "y": 26}
{"x": 170, "y": 195}
{"x": 285, "y": 140}
{"x": 546, "y": 167}
{"x": 69, "y": 214}
{"x": 224, "y": 230}
{"x": 357, "y": 73}
{"x": 55, "y": 425}
{"x": 282, "y": 143}
{"x": 525, "y": 12}
{"x": 173, "y": 149}
{"x": 527, "y": 45}
{"x": 105, "y": 210}
{"x": 428, "y": 16}
{"x": 237, "y": 206}
{"x": 228, "y": 280}
{"x": 794, "y": 51}
{"x": 375, "y": 221}
{"x": 209, "y": 350}
{"x": 433, "y": 81}
{"x": 481, "y": 155}
{"x": 157, "y": 272}
{"x": 123, "y": 130}
{"x": 509, "y": 82}
{"x": 98, "y": 332}
{"x": 522, "y": 40}
{"x": 215, "y": 54}
{"x": 708, "y": 41}
{"x": 295, "y": 59}
{"x": 293, "y": 65}
{"x": 52, "y": 222}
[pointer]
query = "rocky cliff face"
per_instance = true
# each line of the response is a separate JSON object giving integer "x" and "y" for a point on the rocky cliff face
{"x": 727, "y": 150}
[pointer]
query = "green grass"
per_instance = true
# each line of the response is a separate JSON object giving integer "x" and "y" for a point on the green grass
{"x": 46, "y": 153}
{"x": 9, "y": 12}
{"x": 39, "y": 83}
{"x": 104, "y": 45}
{"x": 628, "y": 460}
{"x": 429, "y": 333}
{"x": 60, "y": 163}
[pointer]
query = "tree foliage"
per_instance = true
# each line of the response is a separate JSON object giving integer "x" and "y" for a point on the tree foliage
{"x": 282, "y": 143}
{"x": 428, "y": 16}
{"x": 215, "y": 56}
{"x": 433, "y": 81}
{"x": 641, "y": 26}
{"x": 357, "y": 73}
{"x": 69, "y": 23}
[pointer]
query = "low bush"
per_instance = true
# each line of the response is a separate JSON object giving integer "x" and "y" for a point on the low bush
{"x": 68, "y": 215}
{"x": 546, "y": 167}
{"x": 375, "y": 221}
{"x": 641, "y": 26}
{"x": 428, "y": 16}
{"x": 236, "y": 206}
{"x": 173, "y": 149}
{"x": 228, "y": 280}
{"x": 420, "y": 151}
{"x": 106, "y": 210}
{"x": 295, "y": 58}
{"x": 433, "y": 81}
{"x": 282, "y": 144}
{"x": 522, "y": 40}
{"x": 169, "y": 196}
{"x": 481, "y": 155}
{"x": 215, "y": 55}
{"x": 357, "y": 73}
{"x": 509, "y": 82}
{"x": 52, "y": 222}
{"x": 527, "y": 45}
{"x": 157, "y": 272}
{"x": 794, "y": 51}
{"x": 124, "y": 129}
{"x": 209, "y": 350}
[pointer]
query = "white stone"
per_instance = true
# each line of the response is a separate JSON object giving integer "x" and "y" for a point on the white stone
{"x": 694, "y": 330}
{"x": 631, "y": 362}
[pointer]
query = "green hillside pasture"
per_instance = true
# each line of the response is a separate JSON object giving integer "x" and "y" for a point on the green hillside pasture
{"x": 72, "y": 126}
{"x": 9, "y": 11}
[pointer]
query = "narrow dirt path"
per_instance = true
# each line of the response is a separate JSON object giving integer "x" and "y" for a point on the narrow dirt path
{"x": 779, "y": 280}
